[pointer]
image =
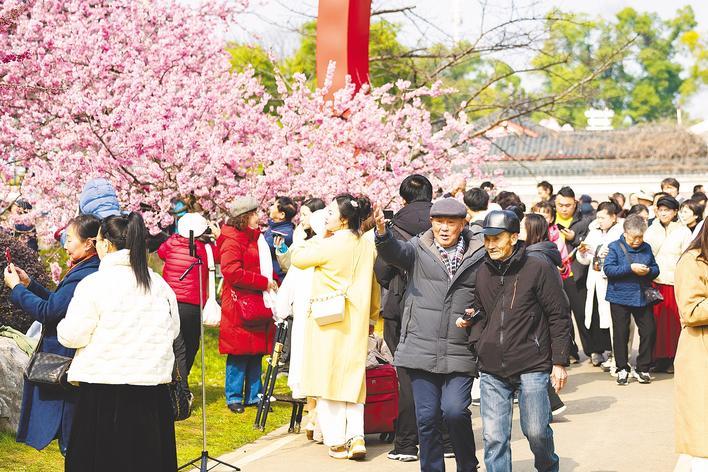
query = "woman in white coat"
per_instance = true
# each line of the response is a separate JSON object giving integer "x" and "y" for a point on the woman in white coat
{"x": 294, "y": 300}
{"x": 122, "y": 320}
{"x": 598, "y": 319}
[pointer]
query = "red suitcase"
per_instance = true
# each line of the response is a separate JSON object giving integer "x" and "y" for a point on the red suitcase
{"x": 381, "y": 408}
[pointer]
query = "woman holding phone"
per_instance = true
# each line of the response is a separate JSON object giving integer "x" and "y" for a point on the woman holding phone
{"x": 47, "y": 415}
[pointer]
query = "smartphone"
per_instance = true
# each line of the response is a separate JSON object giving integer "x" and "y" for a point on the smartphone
{"x": 8, "y": 256}
{"x": 278, "y": 233}
{"x": 468, "y": 316}
{"x": 388, "y": 214}
{"x": 560, "y": 226}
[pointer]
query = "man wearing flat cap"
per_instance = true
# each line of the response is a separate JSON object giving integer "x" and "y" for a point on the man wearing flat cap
{"x": 440, "y": 264}
{"x": 521, "y": 332}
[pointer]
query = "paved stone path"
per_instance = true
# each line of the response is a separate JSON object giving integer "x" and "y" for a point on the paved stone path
{"x": 605, "y": 428}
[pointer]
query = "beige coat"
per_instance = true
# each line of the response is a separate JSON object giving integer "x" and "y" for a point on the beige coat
{"x": 667, "y": 244}
{"x": 334, "y": 363}
{"x": 691, "y": 363}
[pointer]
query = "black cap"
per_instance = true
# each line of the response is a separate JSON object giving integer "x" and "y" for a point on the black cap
{"x": 668, "y": 201}
{"x": 498, "y": 221}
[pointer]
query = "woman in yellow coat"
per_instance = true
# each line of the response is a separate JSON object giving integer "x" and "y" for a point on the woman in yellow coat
{"x": 691, "y": 363}
{"x": 334, "y": 369}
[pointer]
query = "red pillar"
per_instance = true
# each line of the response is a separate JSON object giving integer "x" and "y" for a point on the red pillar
{"x": 343, "y": 37}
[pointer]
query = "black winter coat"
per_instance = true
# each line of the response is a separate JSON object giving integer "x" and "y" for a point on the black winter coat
{"x": 410, "y": 221}
{"x": 524, "y": 322}
{"x": 430, "y": 340}
{"x": 580, "y": 225}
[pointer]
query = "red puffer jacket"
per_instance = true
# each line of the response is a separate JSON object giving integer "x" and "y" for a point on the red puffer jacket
{"x": 241, "y": 269}
{"x": 175, "y": 253}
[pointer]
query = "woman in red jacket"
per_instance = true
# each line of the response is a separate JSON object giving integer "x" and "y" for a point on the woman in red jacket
{"x": 247, "y": 329}
{"x": 175, "y": 253}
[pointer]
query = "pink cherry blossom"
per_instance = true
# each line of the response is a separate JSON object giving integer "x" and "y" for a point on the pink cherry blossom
{"x": 142, "y": 93}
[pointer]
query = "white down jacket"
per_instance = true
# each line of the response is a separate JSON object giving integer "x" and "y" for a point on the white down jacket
{"x": 123, "y": 335}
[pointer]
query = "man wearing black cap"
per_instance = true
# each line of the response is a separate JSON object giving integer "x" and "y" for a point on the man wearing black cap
{"x": 440, "y": 265}
{"x": 521, "y": 332}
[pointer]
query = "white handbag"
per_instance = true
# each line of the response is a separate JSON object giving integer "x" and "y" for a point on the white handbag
{"x": 329, "y": 308}
{"x": 212, "y": 309}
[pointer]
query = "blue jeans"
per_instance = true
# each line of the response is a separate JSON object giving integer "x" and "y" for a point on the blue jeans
{"x": 243, "y": 371}
{"x": 445, "y": 397}
{"x": 535, "y": 408}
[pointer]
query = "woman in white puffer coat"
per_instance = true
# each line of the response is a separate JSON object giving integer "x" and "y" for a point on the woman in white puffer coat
{"x": 605, "y": 229}
{"x": 122, "y": 320}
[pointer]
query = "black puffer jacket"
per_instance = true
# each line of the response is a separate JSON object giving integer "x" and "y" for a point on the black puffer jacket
{"x": 524, "y": 323}
{"x": 410, "y": 220}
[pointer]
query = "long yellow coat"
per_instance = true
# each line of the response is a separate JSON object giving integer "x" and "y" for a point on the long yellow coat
{"x": 335, "y": 354}
{"x": 691, "y": 363}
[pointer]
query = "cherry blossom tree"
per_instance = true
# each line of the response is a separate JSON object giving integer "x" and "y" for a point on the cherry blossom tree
{"x": 142, "y": 93}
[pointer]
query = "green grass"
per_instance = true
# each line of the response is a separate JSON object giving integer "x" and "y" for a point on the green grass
{"x": 226, "y": 431}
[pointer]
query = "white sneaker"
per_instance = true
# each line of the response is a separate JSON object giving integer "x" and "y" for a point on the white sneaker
{"x": 338, "y": 452}
{"x": 356, "y": 448}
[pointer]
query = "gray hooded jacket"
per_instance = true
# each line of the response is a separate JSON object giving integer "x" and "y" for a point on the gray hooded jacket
{"x": 430, "y": 340}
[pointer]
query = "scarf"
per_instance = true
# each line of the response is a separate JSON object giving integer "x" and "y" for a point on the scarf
{"x": 452, "y": 263}
{"x": 266, "y": 265}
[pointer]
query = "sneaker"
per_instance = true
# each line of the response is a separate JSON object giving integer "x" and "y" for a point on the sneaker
{"x": 622, "y": 377}
{"x": 356, "y": 448}
{"x": 643, "y": 377}
{"x": 607, "y": 365}
{"x": 338, "y": 452}
{"x": 399, "y": 456}
{"x": 476, "y": 402}
{"x": 597, "y": 359}
{"x": 558, "y": 407}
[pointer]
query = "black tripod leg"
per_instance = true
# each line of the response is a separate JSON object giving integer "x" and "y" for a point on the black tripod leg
{"x": 293, "y": 416}
{"x": 261, "y": 402}
{"x": 269, "y": 394}
{"x": 298, "y": 420}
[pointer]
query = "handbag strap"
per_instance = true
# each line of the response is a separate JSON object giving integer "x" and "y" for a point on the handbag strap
{"x": 626, "y": 253}
{"x": 642, "y": 282}
{"x": 356, "y": 264}
{"x": 212, "y": 271}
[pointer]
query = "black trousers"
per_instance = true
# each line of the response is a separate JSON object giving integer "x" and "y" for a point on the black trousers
{"x": 189, "y": 327}
{"x": 406, "y": 437}
{"x": 577, "y": 293}
{"x": 644, "y": 318}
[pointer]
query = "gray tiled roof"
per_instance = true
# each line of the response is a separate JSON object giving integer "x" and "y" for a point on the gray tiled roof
{"x": 657, "y": 143}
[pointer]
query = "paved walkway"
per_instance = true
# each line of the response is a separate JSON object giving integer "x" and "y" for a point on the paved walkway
{"x": 605, "y": 428}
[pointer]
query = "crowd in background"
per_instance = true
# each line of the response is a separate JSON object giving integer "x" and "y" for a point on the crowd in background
{"x": 471, "y": 283}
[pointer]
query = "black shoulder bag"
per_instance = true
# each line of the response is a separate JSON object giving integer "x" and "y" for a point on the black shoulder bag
{"x": 652, "y": 295}
{"x": 48, "y": 370}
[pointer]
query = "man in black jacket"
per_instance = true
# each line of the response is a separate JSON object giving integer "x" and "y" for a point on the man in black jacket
{"x": 414, "y": 218}
{"x": 521, "y": 332}
{"x": 440, "y": 267}
{"x": 574, "y": 227}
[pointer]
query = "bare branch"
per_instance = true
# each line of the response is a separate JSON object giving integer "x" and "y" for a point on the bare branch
{"x": 392, "y": 10}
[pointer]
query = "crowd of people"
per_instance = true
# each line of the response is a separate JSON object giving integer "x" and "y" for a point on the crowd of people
{"x": 474, "y": 287}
